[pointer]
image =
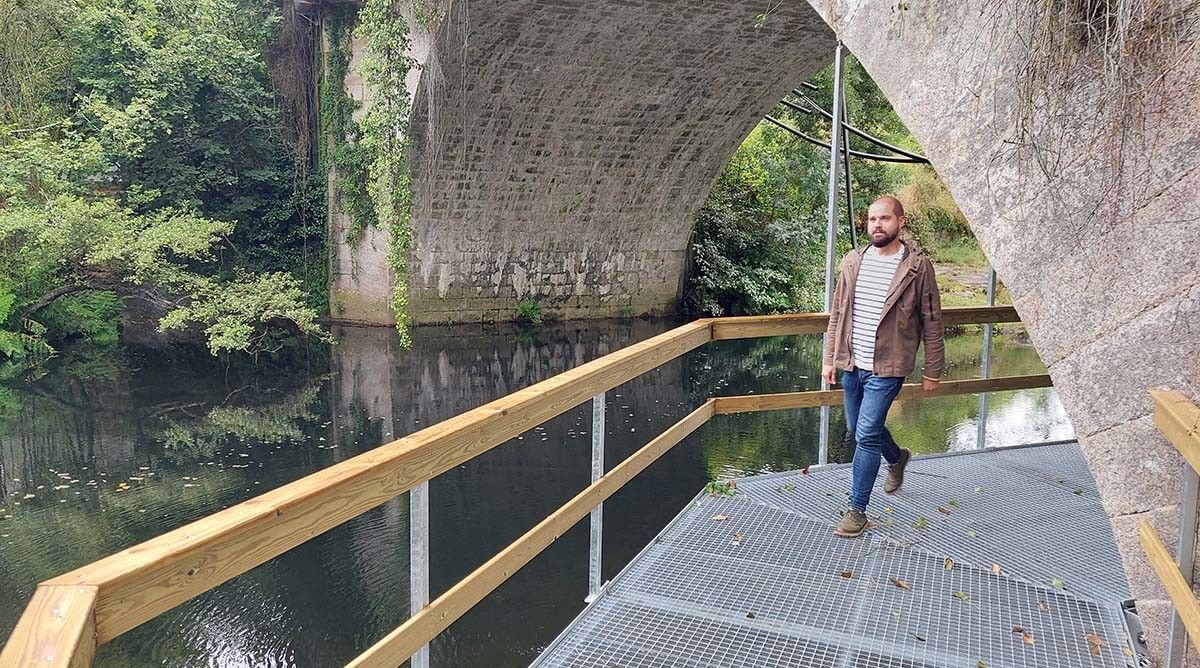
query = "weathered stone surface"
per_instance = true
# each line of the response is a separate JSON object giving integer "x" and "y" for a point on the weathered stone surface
{"x": 1157, "y": 615}
{"x": 1118, "y": 271}
{"x": 360, "y": 278}
{"x": 1139, "y": 469}
{"x": 1107, "y": 382}
{"x": 1143, "y": 582}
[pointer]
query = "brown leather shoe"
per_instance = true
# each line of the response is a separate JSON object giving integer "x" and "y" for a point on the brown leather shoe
{"x": 895, "y": 476}
{"x": 853, "y": 523}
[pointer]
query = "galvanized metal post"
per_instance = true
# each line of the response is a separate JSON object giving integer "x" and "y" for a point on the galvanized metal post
{"x": 846, "y": 164}
{"x": 595, "y": 546}
{"x": 981, "y": 436}
{"x": 418, "y": 560}
{"x": 1177, "y": 639}
{"x": 831, "y": 233}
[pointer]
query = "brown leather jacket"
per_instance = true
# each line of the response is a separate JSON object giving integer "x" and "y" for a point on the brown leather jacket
{"x": 912, "y": 313}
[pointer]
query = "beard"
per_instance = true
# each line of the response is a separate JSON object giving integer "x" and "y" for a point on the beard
{"x": 886, "y": 239}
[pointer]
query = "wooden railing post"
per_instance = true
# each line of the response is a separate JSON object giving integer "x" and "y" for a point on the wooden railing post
{"x": 57, "y": 630}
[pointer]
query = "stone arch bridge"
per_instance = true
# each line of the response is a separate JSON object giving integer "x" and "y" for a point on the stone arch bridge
{"x": 565, "y": 146}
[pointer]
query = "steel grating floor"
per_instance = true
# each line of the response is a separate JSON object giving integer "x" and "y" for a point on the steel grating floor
{"x": 771, "y": 586}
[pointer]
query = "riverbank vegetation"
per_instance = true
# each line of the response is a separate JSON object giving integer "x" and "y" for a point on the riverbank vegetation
{"x": 144, "y": 157}
{"x": 759, "y": 241}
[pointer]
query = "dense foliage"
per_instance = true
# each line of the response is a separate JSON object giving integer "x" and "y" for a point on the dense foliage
{"x": 153, "y": 164}
{"x": 759, "y": 241}
{"x": 384, "y": 132}
{"x": 368, "y": 155}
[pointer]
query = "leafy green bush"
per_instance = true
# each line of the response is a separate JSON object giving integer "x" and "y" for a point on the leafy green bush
{"x": 932, "y": 215}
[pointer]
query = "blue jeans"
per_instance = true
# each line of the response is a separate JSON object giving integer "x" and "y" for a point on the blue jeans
{"x": 868, "y": 398}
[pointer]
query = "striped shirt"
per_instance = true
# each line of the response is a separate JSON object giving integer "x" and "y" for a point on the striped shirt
{"x": 870, "y": 291}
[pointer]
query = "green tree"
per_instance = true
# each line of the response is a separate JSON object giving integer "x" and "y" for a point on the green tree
{"x": 149, "y": 160}
{"x": 758, "y": 244}
{"x": 751, "y": 241}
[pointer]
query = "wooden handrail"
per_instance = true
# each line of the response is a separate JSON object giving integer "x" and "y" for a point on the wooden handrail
{"x": 143, "y": 581}
{"x": 1178, "y": 418}
{"x": 755, "y": 326}
{"x": 425, "y": 625}
{"x": 1172, "y": 579}
{"x": 750, "y": 403}
{"x": 57, "y": 629}
{"x": 94, "y": 604}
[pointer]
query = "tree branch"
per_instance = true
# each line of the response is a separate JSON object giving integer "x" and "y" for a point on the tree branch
{"x": 48, "y": 298}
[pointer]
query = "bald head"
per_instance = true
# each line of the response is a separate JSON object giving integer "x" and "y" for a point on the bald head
{"x": 885, "y": 217}
{"x": 897, "y": 207}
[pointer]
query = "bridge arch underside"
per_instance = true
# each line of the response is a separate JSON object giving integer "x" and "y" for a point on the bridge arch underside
{"x": 573, "y": 142}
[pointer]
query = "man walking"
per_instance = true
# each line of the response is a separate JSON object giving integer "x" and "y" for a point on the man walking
{"x": 885, "y": 304}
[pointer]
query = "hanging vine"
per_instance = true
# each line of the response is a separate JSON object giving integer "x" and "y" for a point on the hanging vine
{"x": 383, "y": 137}
{"x": 345, "y": 153}
{"x": 369, "y": 156}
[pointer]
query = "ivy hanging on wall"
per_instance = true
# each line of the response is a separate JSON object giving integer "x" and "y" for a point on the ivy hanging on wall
{"x": 384, "y": 138}
{"x": 369, "y": 156}
{"x": 344, "y": 154}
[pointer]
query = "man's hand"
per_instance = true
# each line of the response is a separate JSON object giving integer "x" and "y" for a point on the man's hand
{"x": 929, "y": 385}
{"x": 829, "y": 373}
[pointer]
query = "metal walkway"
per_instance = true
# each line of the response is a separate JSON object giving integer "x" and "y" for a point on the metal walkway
{"x": 985, "y": 559}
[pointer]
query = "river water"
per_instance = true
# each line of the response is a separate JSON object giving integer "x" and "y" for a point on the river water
{"x": 110, "y": 450}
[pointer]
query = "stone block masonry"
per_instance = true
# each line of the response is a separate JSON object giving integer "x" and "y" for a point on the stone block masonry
{"x": 565, "y": 147}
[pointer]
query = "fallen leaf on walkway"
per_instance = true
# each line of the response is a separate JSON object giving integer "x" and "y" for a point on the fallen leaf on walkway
{"x": 887, "y": 509}
{"x": 1058, "y": 583}
{"x": 1094, "y": 643}
{"x": 720, "y": 518}
{"x": 978, "y": 489}
{"x": 961, "y": 595}
{"x": 920, "y": 523}
{"x": 953, "y": 503}
{"x": 1042, "y": 606}
{"x": 1126, "y": 651}
{"x": 995, "y": 569}
{"x": 1026, "y": 636}
{"x": 980, "y": 664}
{"x": 749, "y": 615}
{"x": 847, "y": 574}
{"x": 903, "y": 584}
{"x": 971, "y": 533}
{"x": 895, "y": 614}
{"x": 738, "y": 537}
{"x": 949, "y": 564}
{"x": 919, "y": 637}
{"x": 943, "y": 510}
